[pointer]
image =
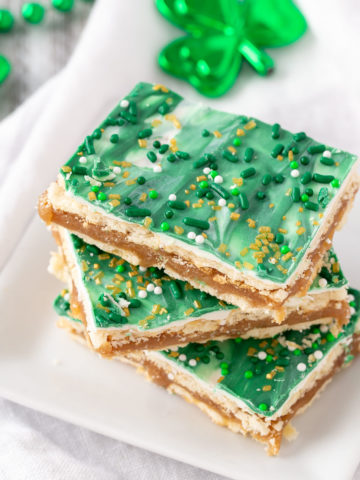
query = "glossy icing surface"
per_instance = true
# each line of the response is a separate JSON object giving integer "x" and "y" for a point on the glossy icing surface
{"x": 122, "y": 294}
{"x": 251, "y": 194}
{"x": 261, "y": 373}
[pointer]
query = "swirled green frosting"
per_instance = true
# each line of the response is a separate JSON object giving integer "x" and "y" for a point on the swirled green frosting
{"x": 121, "y": 294}
{"x": 261, "y": 373}
{"x": 251, "y": 194}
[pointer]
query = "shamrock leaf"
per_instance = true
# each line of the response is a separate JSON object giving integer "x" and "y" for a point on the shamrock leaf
{"x": 223, "y": 32}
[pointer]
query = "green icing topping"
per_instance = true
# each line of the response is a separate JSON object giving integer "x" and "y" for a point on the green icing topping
{"x": 263, "y": 372}
{"x": 218, "y": 181}
{"x": 260, "y": 372}
{"x": 62, "y": 306}
{"x": 122, "y": 294}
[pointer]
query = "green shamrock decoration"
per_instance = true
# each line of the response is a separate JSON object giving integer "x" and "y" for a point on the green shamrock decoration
{"x": 223, "y": 32}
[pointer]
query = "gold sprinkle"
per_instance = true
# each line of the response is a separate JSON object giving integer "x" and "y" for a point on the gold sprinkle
{"x": 282, "y": 230}
{"x": 231, "y": 205}
{"x": 263, "y": 344}
{"x": 114, "y": 203}
{"x": 222, "y": 248}
{"x": 240, "y": 132}
{"x": 187, "y": 201}
{"x": 143, "y": 197}
{"x": 212, "y": 219}
{"x": 197, "y": 304}
{"x": 160, "y": 86}
{"x": 217, "y": 134}
{"x": 200, "y": 178}
{"x": 114, "y": 195}
{"x": 251, "y": 351}
{"x": 126, "y": 174}
{"x": 107, "y": 310}
{"x": 220, "y": 379}
{"x": 211, "y": 202}
{"x": 315, "y": 222}
{"x": 238, "y": 264}
{"x": 301, "y": 209}
{"x": 298, "y": 223}
{"x": 192, "y": 187}
{"x": 66, "y": 169}
{"x": 174, "y": 354}
{"x": 178, "y": 230}
{"x": 196, "y": 205}
{"x": 335, "y": 267}
{"x": 172, "y": 118}
{"x": 300, "y": 230}
{"x": 189, "y": 311}
{"x": 116, "y": 162}
{"x": 91, "y": 196}
{"x": 248, "y": 266}
{"x": 280, "y": 158}
{"x": 156, "y": 309}
{"x": 234, "y": 216}
{"x": 156, "y": 122}
{"x": 271, "y": 205}
{"x": 238, "y": 181}
{"x": 244, "y": 251}
{"x": 321, "y": 215}
{"x": 103, "y": 256}
{"x": 147, "y": 222}
{"x": 284, "y": 217}
{"x": 232, "y": 149}
{"x": 291, "y": 155}
{"x": 142, "y": 142}
{"x": 84, "y": 266}
{"x": 251, "y": 223}
{"x": 130, "y": 182}
{"x": 279, "y": 368}
{"x": 250, "y": 125}
{"x": 264, "y": 229}
{"x": 271, "y": 375}
{"x": 216, "y": 207}
{"x": 266, "y": 388}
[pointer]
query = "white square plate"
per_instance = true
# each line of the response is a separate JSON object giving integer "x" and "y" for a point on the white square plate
{"x": 42, "y": 368}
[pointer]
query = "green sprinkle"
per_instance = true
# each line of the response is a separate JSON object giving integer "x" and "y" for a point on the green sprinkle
{"x": 137, "y": 212}
{"x": 127, "y": 201}
{"x": 260, "y": 195}
{"x": 279, "y": 238}
{"x": 128, "y": 117}
{"x": 299, "y": 136}
{"x": 248, "y": 374}
{"x": 102, "y": 196}
{"x": 104, "y": 300}
{"x": 135, "y": 303}
{"x": 248, "y": 156}
{"x": 141, "y": 180}
{"x": 311, "y": 206}
{"x": 327, "y": 161}
{"x": 114, "y": 138}
{"x": 304, "y": 197}
{"x": 177, "y": 204}
{"x": 164, "y": 226}
{"x": 175, "y": 289}
{"x": 203, "y": 184}
{"x": 201, "y": 193}
{"x": 335, "y": 183}
{"x": 309, "y": 191}
{"x": 205, "y": 133}
{"x": 279, "y": 178}
{"x": 248, "y": 172}
{"x": 171, "y": 158}
{"x": 229, "y": 156}
{"x": 201, "y": 162}
{"x": 214, "y": 173}
{"x": 295, "y": 194}
{"x": 120, "y": 268}
{"x": 156, "y": 144}
{"x": 151, "y": 156}
{"x": 92, "y": 249}
{"x": 97, "y": 134}
{"x": 304, "y": 160}
{"x": 277, "y": 150}
{"x": 330, "y": 337}
{"x": 316, "y": 149}
{"x": 244, "y": 202}
{"x": 79, "y": 170}
{"x": 235, "y": 191}
{"x": 209, "y": 195}
{"x": 89, "y": 145}
{"x": 147, "y": 132}
{"x": 294, "y": 164}
{"x": 317, "y": 177}
{"x": 275, "y": 131}
{"x": 182, "y": 155}
{"x": 195, "y": 222}
{"x": 266, "y": 179}
{"x": 284, "y": 249}
{"x": 220, "y": 190}
{"x": 237, "y": 142}
{"x": 164, "y": 108}
{"x": 169, "y": 213}
{"x": 306, "y": 178}
{"x": 263, "y": 407}
{"x": 132, "y": 108}
{"x": 153, "y": 194}
{"x": 164, "y": 148}
{"x": 238, "y": 340}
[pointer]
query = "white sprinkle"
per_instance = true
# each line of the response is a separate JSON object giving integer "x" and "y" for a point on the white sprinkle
{"x": 172, "y": 197}
{"x": 157, "y": 169}
{"x": 142, "y": 269}
{"x": 117, "y": 170}
{"x": 295, "y": 173}
{"x": 192, "y": 362}
{"x": 351, "y": 298}
{"x": 199, "y": 239}
{"x": 182, "y": 357}
{"x": 124, "y": 103}
{"x": 170, "y": 376}
{"x": 82, "y": 159}
{"x": 222, "y": 202}
{"x": 324, "y": 328}
{"x": 191, "y": 235}
{"x": 158, "y": 290}
{"x": 67, "y": 297}
{"x": 262, "y": 355}
{"x": 291, "y": 348}
{"x": 142, "y": 294}
{"x": 322, "y": 282}
{"x": 352, "y": 311}
{"x": 301, "y": 367}
{"x": 318, "y": 354}
{"x": 218, "y": 179}
{"x": 150, "y": 287}
{"x": 206, "y": 170}
{"x": 327, "y": 154}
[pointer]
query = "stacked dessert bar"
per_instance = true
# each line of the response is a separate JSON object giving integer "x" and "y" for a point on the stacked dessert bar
{"x": 196, "y": 245}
